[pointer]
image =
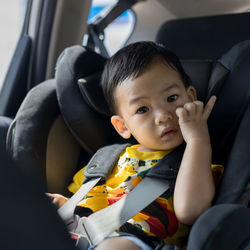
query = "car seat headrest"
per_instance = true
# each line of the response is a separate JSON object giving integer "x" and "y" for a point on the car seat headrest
{"x": 92, "y": 93}
{"x": 84, "y": 67}
{"x": 77, "y": 85}
{"x": 204, "y": 37}
{"x": 28, "y": 133}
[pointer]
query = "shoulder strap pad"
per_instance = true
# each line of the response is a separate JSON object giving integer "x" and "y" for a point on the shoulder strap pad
{"x": 103, "y": 161}
{"x": 167, "y": 168}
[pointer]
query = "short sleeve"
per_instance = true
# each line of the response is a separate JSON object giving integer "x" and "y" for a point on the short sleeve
{"x": 217, "y": 171}
{"x": 77, "y": 181}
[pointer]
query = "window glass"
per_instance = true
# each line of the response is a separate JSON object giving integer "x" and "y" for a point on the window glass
{"x": 117, "y": 33}
{"x": 11, "y": 19}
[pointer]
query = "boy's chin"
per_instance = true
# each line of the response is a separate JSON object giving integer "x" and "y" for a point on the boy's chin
{"x": 172, "y": 145}
{"x": 162, "y": 145}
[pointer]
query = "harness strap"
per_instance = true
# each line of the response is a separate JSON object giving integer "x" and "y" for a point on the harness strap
{"x": 104, "y": 222}
{"x": 67, "y": 210}
{"x": 103, "y": 161}
{"x": 98, "y": 168}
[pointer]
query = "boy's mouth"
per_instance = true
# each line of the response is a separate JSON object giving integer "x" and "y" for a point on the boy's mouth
{"x": 168, "y": 132}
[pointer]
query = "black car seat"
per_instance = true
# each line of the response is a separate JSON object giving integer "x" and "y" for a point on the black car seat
{"x": 40, "y": 137}
{"x": 28, "y": 219}
{"x": 204, "y": 37}
{"x": 226, "y": 224}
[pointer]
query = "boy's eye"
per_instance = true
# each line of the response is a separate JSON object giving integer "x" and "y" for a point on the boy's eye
{"x": 172, "y": 98}
{"x": 142, "y": 110}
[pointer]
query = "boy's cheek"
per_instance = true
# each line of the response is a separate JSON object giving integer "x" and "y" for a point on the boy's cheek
{"x": 181, "y": 102}
{"x": 179, "y": 106}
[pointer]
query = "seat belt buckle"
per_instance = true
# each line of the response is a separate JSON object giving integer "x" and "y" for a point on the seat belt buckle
{"x": 80, "y": 240}
{"x": 84, "y": 229}
{"x": 78, "y": 231}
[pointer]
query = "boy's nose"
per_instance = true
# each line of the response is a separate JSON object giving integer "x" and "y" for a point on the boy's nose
{"x": 162, "y": 117}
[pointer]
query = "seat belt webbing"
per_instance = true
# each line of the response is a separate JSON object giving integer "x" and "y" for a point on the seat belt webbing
{"x": 104, "y": 222}
{"x": 67, "y": 210}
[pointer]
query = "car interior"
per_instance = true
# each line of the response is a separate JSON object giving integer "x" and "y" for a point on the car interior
{"x": 59, "y": 117}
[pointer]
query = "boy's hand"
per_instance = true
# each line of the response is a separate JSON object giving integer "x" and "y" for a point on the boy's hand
{"x": 193, "y": 120}
{"x": 57, "y": 199}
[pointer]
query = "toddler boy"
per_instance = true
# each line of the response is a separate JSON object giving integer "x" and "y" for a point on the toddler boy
{"x": 152, "y": 99}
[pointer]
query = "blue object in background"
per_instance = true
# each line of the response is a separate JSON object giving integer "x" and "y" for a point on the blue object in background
{"x": 123, "y": 18}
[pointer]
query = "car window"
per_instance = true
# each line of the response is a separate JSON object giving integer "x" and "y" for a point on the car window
{"x": 11, "y": 19}
{"x": 117, "y": 33}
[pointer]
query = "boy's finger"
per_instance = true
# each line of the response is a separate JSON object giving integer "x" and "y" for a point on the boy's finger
{"x": 181, "y": 113}
{"x": 209, "y": 106}
{"x": 199, "y": 107}
{"x": 50, "y": 196}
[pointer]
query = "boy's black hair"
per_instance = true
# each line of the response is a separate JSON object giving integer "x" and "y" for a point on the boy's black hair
{"x": 131, "y": 61}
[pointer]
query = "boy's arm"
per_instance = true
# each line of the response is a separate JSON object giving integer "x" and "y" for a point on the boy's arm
{"x": 194, "y": 190}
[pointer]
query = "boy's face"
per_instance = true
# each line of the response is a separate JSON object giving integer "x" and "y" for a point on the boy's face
{"x": 146, "y": 107}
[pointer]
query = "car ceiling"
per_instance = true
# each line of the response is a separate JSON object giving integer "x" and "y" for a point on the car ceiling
{"x": 150, "y": 14}
{"x": 192, "y": 8}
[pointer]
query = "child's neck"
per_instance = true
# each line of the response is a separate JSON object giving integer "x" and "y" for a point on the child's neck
{"x": 142, "y": 148}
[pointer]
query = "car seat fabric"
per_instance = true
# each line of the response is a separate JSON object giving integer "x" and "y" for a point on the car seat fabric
{"x": 28, "y": 219}
{"x": 223, "y": 226}
{"x": 226, "y": 226}
{"x": 204, "y": 37}
{"x": 237, "y": 172}
{"x": 29, "y": 139}
{"x": 27, "y": 136}
{"x": 91, "y": 129}
{"x": 4, "y": 126}
{"x": 232, "y": 91}
{"x": 199, "y": 72}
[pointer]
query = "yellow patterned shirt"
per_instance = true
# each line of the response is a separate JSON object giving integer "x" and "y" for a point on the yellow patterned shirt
{"x": 159, "y": 218}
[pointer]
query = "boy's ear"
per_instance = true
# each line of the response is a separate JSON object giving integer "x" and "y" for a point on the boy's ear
{"x": 191, "y": 92}
{"x": 120, "y": 126}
